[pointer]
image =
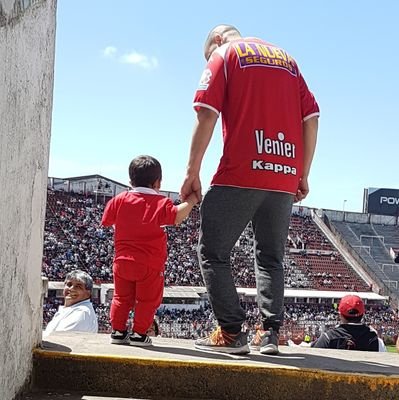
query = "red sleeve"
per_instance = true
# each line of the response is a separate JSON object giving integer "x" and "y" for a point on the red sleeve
{"x": 309, "y": 106}
{"x": 212, "y": 85}
{"x": 109, "y": 215}
{"x": 168, "y": 216}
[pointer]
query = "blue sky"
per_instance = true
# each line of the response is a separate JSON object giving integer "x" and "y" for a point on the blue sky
{"x": 126, "y": 73}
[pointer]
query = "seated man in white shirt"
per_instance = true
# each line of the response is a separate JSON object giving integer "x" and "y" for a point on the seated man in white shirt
{"x": 77, "y": 313}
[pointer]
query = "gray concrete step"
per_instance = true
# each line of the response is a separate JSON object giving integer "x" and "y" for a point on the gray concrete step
{"x": 174, "y": 369}
{"x": 80, "y": 396}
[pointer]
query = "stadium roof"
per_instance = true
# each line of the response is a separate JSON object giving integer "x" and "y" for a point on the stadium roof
{"x": 323, "y": 294}
{"x": 187, "y": 292}
{"x": 95, "y": 176}
{"x": 194, "y": 292}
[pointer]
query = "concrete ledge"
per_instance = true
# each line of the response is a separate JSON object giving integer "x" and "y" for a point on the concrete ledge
{"x": 163, "y": 375}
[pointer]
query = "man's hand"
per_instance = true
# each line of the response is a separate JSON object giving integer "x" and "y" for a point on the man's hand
{"x": 191, "y": 184}
{"x": 303, "y": 190}
{"x": 192, "y": 199}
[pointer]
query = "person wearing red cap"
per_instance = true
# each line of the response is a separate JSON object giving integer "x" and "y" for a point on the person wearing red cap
{"x": 351, "y": 333}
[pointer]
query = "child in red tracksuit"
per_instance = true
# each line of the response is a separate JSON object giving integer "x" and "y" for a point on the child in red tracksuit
{"x": 138, "y": 216}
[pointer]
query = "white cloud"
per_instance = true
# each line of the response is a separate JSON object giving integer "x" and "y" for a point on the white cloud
{"x": 110, "y": 51}
{"x": 140, "y": 60}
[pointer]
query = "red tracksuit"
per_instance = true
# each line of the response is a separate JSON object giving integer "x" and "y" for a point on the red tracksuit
{"x": 140, "y": 254}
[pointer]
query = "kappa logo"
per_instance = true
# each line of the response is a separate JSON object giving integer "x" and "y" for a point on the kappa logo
{"x": 205, "y": 79}
{"x": 269, "y": 166}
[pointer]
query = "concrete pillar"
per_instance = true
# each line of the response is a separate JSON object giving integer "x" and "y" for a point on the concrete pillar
{"x": 27, "y": 39}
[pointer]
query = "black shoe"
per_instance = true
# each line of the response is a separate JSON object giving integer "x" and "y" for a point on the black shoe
{"x": 265, "y": 341}
{"x": 137, "y": 339}
{"x": 119, "y": 337}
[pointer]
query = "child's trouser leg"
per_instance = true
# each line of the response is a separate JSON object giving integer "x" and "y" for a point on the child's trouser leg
{"x": 124, "y": 297}
{"x": 149, "y": 293}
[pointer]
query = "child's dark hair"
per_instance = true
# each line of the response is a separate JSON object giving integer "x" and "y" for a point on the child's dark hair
{"x": 144, "y": 171}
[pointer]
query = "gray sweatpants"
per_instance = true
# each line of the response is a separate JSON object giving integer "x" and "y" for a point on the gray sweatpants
{"x": 225, "y": 212}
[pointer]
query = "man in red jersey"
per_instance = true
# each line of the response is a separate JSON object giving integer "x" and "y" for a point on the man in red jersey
{"x": 269, "y": 123}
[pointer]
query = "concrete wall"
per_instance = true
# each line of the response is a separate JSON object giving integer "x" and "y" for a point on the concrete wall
{"x": 27, "y": 39}
{"x": 359, "y": 218}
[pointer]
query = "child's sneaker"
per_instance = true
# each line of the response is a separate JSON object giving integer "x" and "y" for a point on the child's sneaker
{"x": 223, "y": 342}
{"x": 265, "y": 341}
{"x": 137, "y": 339}
{"x": 119, "y": 337}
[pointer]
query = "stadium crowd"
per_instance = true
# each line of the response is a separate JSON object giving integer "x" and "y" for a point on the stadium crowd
{"x": 299, "y": 319}
{"x": 74, "y": 239}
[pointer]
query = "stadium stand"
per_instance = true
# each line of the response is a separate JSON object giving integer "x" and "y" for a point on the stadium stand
{"x": 373, "y": 244}
{"x": 74, "y": 239}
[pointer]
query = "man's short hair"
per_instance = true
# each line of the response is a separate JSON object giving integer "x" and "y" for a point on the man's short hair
{"x": 144, "y": 171}
{"x": 221, "y": 29}
{"x": 81, "y": 276}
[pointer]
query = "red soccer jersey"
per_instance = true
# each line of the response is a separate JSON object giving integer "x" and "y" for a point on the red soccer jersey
{"x": 137, "y": 217}
{"x": 263, "y": 99}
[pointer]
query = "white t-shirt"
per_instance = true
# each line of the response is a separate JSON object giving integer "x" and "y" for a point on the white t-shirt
{"x": 79, "y": 317}
{"x": 381, "y": 345}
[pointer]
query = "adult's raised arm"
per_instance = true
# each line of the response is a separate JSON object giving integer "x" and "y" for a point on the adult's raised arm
{"x": 202, "y": 134}
{"x": 310, "y": 128}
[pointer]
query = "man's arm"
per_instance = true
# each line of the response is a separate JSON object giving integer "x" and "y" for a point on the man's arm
{"x": 381, "y": 345}
{"x": 310, "y": 128}
{"x": 202, "y": 134}
{"x": 323, "y": 342}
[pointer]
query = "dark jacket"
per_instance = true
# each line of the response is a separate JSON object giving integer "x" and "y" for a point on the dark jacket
{"x": 348, "y": 337}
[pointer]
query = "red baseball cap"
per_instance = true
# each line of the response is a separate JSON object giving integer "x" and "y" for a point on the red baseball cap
{"x": 351, "y": 306}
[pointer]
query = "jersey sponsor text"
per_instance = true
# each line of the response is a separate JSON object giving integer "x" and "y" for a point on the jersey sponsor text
{"x": 260, "y": 54}
{"x": 275, "y": 167}
{"x": 277, "y": 147}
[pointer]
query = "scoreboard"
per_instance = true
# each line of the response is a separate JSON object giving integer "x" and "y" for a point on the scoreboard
{"x": 381, "y": 201}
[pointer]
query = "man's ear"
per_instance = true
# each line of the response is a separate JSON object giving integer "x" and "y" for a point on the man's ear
{"x": 218, "y": 39}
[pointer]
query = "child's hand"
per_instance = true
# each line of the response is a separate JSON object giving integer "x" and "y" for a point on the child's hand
{"x": 192, "y": 198}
